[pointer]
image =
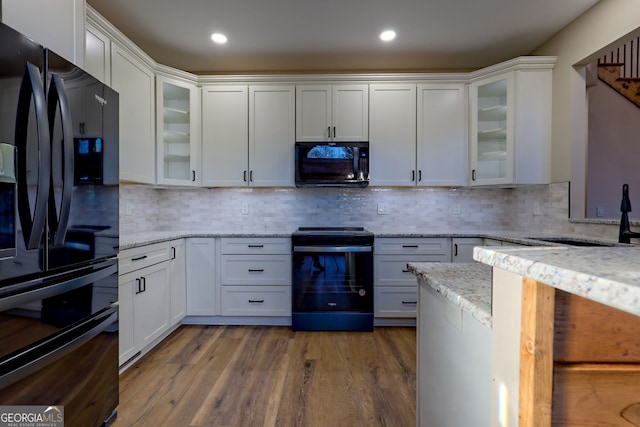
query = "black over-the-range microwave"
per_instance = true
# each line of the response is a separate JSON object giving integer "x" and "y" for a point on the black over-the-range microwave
{"x": 332, "y": 164}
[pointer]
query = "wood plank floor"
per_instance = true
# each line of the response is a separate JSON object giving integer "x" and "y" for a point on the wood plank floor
{"x": 241, "y": 376}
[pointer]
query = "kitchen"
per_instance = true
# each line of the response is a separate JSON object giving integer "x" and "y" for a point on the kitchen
{"x": 151, "y": 209}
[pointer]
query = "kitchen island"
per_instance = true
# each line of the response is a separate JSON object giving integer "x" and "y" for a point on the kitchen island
{"x": 453, "y": 344}
{"x": 565, "y": 335}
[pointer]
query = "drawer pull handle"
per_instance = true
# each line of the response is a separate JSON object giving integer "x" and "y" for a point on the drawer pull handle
{"x": 409, "y": 246}
{"x": 256, "y": 301}
{"x": 409, "y": 302}
{"x": 139, "y": 258}
{"x": 256, "y": 270}
{"x": 256, "y": 246}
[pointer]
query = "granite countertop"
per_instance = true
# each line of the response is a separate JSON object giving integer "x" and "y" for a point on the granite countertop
{"x": 130, "y": 240}
{"x": 468, "y": 285}
{"x": 610, "y": 275}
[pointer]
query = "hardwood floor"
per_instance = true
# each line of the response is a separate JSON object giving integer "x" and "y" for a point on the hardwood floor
{"x": 241, "y": 376}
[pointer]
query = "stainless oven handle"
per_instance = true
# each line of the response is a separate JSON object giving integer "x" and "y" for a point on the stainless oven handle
{"x": 59, "y": 345}
{"x": 317, "y": 249}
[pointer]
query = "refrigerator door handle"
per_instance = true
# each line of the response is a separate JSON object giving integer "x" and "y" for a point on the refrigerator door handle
{"x": 32, "y": 226}
{"x": 58, "y": 224}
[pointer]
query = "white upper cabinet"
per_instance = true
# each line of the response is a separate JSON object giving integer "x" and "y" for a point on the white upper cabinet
{"x": 97, "y": 57}
{"x": 510, "y": 123}
{"x": 58, "y": 25}
{"x": 135, "y": 82}
{"x": 178, "y": 130}
{"x": 332, "y": 112}
{"x": 225, "y": 135}
{"x": 271, "y": 135}
{"x": 393, "y": 134}
{"x": 248, "y": 135}
{"x": 442, "y": 135}
{"x": 492, "y": 130}
{"x": 418, "y": 134}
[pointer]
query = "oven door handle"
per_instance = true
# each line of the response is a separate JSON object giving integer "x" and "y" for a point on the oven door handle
{"x": 319, "y": 249}
{"x": 23, "y": 363}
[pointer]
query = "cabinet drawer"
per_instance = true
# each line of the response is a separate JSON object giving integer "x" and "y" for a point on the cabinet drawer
{"x": 391, "y": 270}
{"x": 256, "y": 301}
{"x": 396, "y": 301}
{"x": 143, "y": 256}
{"x": 256, "y": 270}
{"x": 427, "y": 246}
{"x": 260, "y": 245}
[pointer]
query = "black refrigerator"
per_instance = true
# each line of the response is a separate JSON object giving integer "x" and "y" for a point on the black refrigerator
{"x": 58, "y": 236}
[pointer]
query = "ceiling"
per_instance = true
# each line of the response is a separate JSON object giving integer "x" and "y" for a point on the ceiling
{"x": 337, "y": 35}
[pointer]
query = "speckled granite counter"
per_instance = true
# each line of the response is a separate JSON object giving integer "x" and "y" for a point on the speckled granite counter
{"x": 610, "y": 276}
{"x": 132, "y": 240}
{"x": 466, "y": 284}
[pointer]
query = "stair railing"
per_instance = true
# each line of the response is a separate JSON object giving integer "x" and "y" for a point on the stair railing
{"x": 627, "y": 56}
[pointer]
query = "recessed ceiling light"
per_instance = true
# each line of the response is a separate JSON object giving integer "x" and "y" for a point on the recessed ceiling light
{"x": 387, "y": 35}
{"x": 219, "y": 38}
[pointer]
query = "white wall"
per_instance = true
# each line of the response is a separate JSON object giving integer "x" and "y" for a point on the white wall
{"x": 603, "y": 25}
{"x": 613, "y": 151}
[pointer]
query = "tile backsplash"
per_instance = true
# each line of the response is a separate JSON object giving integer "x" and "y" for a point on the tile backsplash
{"x": 542, "y": 208}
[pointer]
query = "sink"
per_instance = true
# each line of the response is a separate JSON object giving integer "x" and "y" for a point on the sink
{"x": 569, "y": 241}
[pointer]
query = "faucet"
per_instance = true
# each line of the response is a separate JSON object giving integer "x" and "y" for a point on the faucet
{"x": 625, "y": 207}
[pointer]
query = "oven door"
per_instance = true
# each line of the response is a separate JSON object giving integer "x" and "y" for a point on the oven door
{"x": 332, "y": 279}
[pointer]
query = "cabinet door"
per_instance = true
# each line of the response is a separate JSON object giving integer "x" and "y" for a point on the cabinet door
{"x": 462, "y": 248}
{"x": 393, "y": 134}
{"x": 134, "y": 81}
{"x": 126, "y": 341}
{"x": 58, "y": 25}
{"x": 271, "y": 135}
{"x": 151, "y": 303}
{"x": 97, "y": 57}
{"x": 313, "y": 113}
{"x": 442, "y": 135}
{"x": 491, "y": 133}
{"x": 201, "y": 277}
{"x": 178, "y": 145}
{"x": 350, "y": 113}
{"x": 178, "y": 281}
{"x": 225, "y": 139}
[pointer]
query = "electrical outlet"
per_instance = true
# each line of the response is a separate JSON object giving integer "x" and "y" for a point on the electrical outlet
{"x": 600, "y": 211}
{"x": 383, "y": 209}
{"x": 536, "y": 208}
{"x": 245, "y": 208}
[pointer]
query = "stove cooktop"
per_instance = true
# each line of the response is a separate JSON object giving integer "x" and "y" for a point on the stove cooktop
{"x": 332, "y": 235}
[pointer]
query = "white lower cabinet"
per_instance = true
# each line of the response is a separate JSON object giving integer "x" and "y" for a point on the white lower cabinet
{"x": 255, "y": 276}
{"x": 462, "y": 248}
{"x": 178, "y": 281}
{"x": 256, "y": 301}
{"x": 144, "y": 300}
{"x": 395, "y": 288}
{"x": 201, "y": 277}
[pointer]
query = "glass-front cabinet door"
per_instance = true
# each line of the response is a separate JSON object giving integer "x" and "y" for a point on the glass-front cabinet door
{"x": 492, "y": 131}
{"x": 178, "y": 139}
